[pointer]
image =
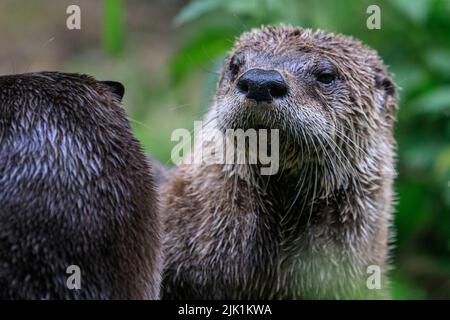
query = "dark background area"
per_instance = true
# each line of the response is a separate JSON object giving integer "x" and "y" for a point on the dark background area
{"x": 167, "y": 54}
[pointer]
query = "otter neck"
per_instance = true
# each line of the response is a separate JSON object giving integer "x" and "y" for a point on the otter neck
{"x": 296, "y": 195}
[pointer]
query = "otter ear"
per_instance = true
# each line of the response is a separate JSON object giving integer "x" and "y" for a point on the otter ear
{"x": 386, "y": 84}
{"x": 116, "y": 87}
{"x": 388, "y": 99}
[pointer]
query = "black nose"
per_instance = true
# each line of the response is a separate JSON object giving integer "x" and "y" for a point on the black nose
{"x": 262, "y": 85}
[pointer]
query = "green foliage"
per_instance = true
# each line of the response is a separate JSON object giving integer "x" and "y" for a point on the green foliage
{"x": 404, "y": 289}
{"x": 113, "y": 37}
{"x": 415, "y": 41}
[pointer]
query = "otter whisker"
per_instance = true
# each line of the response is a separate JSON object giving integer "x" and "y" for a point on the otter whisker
{"x": 139, "y": 123}
{"x": 345, "y": 139}
{"x": 313, "y": 197}
{"x": 328, "y": 163}
{"x": 349, "y": 169}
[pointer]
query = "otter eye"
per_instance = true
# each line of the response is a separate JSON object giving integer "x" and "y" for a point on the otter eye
{"x": 326, "y": 77}
{"x": 235, "y": 65}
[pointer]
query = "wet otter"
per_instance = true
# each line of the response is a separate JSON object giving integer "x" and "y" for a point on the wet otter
{"x": 75, "y": 189}
{"x": 313, "y": 229}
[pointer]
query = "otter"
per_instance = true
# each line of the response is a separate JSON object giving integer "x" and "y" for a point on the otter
{"x": 75, "y": 190}
{"x": 318, "y": 228}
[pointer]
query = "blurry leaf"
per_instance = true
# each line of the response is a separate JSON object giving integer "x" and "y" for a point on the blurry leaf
{"x": 408, "y": 76}
{"x": 442, "y": 221}
{"x": 404, "y": 288}
{"x": 249, "y": 13}
{"x": 435, "y": 101}
{"x": 411, "y": 209}
{"x": 195, "y": 9}
{"x": 442, "y": 174}
{"x": 439, "y": 60}
{"x": 211, "y": 83}
{"x": 244, "y": 7}
{"x": 113, "y": 26}
{"x": 442, "y": 163}
{"x": 416, "y": 10}
{"x": 201, "y": 51}
{"x": 418, "y": 154}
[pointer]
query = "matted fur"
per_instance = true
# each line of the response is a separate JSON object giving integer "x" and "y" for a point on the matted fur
{"x": 311, "y": 230}
{"x": 75, "y": 189}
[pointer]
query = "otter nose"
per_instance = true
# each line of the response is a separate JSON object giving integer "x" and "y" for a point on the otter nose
{"x": 262, "y": 85}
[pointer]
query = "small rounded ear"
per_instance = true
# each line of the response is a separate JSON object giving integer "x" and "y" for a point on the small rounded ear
{"x": 388, "y": 102}
{"x": 116, "y": 87}
{"x": 386, "y": 84}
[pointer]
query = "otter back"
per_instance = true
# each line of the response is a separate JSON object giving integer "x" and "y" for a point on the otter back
{"x": 75, "y": 190}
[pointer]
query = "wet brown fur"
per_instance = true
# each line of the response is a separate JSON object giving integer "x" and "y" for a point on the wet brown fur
{"x": 75, "y": 189}
{"x": 311, "y": 230}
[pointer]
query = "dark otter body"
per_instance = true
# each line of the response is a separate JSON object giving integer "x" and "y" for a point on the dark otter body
{"x": 75, "y": 189}
{"x": 321, "y": 223}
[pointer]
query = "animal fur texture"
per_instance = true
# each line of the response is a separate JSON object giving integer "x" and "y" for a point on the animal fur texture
{"x": 312, "y": 230}
{"x": 75, "y": 189}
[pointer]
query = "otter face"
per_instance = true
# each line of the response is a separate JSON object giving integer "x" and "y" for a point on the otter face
{"x": 320, "y": 90}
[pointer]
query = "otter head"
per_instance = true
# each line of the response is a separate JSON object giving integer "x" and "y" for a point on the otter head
{"x": 329, "y": 95}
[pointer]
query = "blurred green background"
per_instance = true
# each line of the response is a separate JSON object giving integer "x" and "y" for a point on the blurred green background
{"x": 168, "y": 53}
